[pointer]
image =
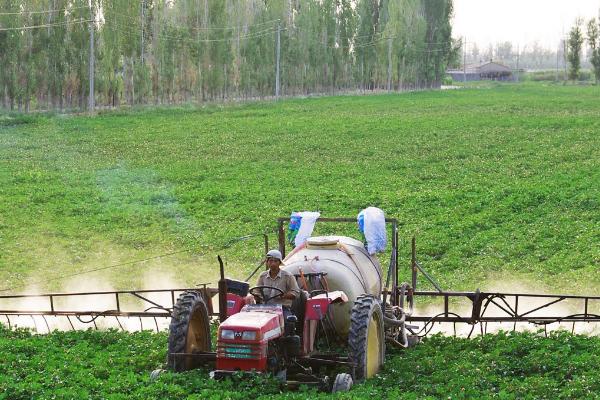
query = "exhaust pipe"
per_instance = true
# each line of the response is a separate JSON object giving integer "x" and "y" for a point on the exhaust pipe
{"x": 222, "y": 292}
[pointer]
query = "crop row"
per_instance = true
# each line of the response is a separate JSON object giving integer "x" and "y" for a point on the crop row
{"x": 493, "y": 182}
{"x": 116, "y": 365}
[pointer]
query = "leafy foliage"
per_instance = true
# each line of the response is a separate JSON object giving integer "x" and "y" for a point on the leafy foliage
{"x": 575, "y": 42}
{"x": 494, "y": 182}
{"x": 162, "y": 51}
{"x": 593, "y": 41}
{"x": 117, "y": 365}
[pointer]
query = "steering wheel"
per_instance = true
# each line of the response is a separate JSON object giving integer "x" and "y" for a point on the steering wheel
{"x": 259, "y": 292}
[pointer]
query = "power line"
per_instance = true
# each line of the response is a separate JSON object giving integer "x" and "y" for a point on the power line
{"x": 373, "y": 36}
{"x": 192, "y": 41}
{"x": 210, "y": 28}
{"x": 42, "y": 12}
{"x": 199, "y": 28}
{"x": 361, "y": 45}
{"x": 20, "y": 28}
{"x": 127, "y": 30}
{"x": 264, "y": 32}
{"x": 63, "y": 23}
{"x": 384, "y": 38}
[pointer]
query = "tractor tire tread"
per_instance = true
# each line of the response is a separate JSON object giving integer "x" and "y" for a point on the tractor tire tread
{"x": 342, "y": 383}
{"x": 362, "y": 311}
{"x": 187, "y": 303}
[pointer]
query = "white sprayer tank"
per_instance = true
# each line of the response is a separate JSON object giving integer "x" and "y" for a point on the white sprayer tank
{"x": 348, "y": 266}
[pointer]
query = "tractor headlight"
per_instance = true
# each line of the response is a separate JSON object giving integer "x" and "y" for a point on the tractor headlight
{"x": 227, "y": 334}
{"x": 249, "y": 335}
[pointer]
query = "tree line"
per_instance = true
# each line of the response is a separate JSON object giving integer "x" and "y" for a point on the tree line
{"x": 575, "y": 40}
{"x": 178, "y": 51}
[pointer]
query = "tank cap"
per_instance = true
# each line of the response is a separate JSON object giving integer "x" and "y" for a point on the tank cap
{"x": 322, "y": 242}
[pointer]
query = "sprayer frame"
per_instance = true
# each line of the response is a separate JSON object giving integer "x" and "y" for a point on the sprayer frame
{"x": 506, "y": 304}
{"x": 393, "y": 265}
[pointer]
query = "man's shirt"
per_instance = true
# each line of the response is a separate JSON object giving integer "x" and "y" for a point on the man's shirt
{"x": 284, "y": 281}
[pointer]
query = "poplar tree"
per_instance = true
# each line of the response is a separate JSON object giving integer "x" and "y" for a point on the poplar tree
{"x": 181, "y": 51}
{"x": 592, "y": 38}
{"x": 575, "y": 42}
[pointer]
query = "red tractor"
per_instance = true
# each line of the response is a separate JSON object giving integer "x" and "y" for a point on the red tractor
{"x": 335, "y": 335}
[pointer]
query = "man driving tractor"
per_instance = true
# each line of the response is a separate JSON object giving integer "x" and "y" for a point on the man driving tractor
{"x": 277, "y": 278}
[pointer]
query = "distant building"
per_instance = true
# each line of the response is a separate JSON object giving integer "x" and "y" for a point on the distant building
{"x": 487, "y": 71}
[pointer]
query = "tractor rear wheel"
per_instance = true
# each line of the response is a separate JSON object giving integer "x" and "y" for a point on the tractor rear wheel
{"x": 366, "y": 337}
{"x": 189, "y": 331}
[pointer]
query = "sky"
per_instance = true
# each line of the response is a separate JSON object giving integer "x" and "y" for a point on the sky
{"x": 519, "y": 21}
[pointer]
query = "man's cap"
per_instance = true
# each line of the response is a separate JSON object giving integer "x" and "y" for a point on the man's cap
{"x": 275, "y": 254}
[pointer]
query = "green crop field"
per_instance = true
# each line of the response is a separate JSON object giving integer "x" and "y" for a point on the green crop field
{"x": 114, "y": 365}
{"x": 500, "y": 185}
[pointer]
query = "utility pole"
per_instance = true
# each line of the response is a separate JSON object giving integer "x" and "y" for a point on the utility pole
{"x": 142, "y": 29}
{"x": 557, "y": 52}
{"x": 565, "y": 49}
{"x": 465, "y": 59}
{"x": 92, "y": 59}
{"x": 389, "y": 71}
{"x": 518, "y": 51}
{"x": 278, "y": 54}
{"x": 362, "y": 73}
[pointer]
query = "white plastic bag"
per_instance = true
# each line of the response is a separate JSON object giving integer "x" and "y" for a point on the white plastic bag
{"x": 371, "y": 222}
{"x": 307, "y": 224}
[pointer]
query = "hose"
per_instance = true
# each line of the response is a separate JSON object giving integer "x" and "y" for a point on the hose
{"x": 398, "y": 323}
{"x": 303, "y": 279}
{"x": 397, "y": 343}
{"x": 401, "y": 322}
{"x": 394, "y": 322}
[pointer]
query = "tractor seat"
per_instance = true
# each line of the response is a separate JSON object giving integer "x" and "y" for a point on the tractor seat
{"x": 299, "y": 308}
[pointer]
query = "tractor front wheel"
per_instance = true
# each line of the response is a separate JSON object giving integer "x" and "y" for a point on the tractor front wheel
{"x": 342, "y": 383}
{"x": 189, "y": 331}
{"x": 366, "y": 337}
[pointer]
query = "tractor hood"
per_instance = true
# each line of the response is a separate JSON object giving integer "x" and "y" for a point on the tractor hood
{"x": 268, "y": 320}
